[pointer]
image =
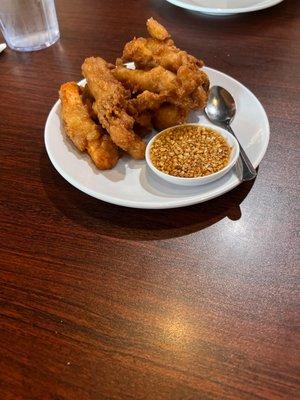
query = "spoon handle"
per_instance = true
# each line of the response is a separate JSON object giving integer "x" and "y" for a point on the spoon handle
{"x": 248, "y": 171}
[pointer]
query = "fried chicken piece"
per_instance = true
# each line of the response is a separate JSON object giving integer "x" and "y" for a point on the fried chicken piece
{"x": 149, "y": 53}
{"x": 199, "y": 98}
{"x": 172, "y": 75}
{"x": 183, "y": 90}
{"x": 156, "y": 80}
{"x": 143, "y": 123}
{"x": 146, "y": 101}
{"x": 110, "y": 104}
{"x": 157, "y": 50}
{"x": 169, "y": 115}
{"x": 156, "y": 30}
{"x": 142, "y": 107}
{"x": 194, "y": 85}
{"x": 190, "y": 78}
{"x": 88, "y": 100}
{"x": 164, "y": 85}
{"x": 196, "y": 100}
{"x": 83, "y": 132}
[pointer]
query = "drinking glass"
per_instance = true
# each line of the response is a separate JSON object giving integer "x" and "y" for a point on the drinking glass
{"x": 29, "y": 25}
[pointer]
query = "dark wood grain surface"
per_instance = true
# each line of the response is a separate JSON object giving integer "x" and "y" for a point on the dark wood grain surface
{"x": 103, "y": 302}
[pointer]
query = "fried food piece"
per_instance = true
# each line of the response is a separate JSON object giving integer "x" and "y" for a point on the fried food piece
{"x": 156, "y": 30}
{"x": 165, "y": 70}
{"x": 168, "y": 80}
{"x": 194, "y": 86}
{"x": 190, "y": 78}
{"x": 83, "y": 132}
{"x": 199, "y": 98}
{"x": 103, "y": 152}
{"x": 157, "y": 80}
{"x": 183, "y": 90}
{"x": 110, "y": 104}
{"x": 88, "y": 100}
{"x": 196, "y": 100}
{"x": 157, "y": 50}
{"x": 169, "y": 115}
{"x": 146, "y": 101}
{"x": 143, "y": 123}
{"x": 149, "y": 53}
{"x": 86, "y": 93}
{"x": 142, "y": 107}
{"x": 158, "y": 85}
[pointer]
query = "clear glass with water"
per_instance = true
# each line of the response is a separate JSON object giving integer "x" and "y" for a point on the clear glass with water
{"x": 29, "y": 25}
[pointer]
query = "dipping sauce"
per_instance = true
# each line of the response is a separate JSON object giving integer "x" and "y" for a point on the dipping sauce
{"x": 190, "y": 151}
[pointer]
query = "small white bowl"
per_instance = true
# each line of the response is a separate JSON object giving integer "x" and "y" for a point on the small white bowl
{"x": 201, "y": 180}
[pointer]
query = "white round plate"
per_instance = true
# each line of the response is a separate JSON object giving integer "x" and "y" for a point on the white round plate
{"x": 224, "y": 7}
{"x": 132, "y": 184}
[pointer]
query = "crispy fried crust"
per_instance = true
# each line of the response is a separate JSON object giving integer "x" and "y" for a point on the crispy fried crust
{"x": 156, "y": 30}
{"x": 149, "y": 53}
{"x": 142, "y": 108}
{"x": 169, "y": 115}
{"x": 146, "y": 101}
{"x": 110, "y": 104}
{"x": 88, "y": 100}
{"x": 156, "y": 80}
{"x": 180, "y": 89}
{"x": 163, "y": 69}
{"x": 83, "y": 132}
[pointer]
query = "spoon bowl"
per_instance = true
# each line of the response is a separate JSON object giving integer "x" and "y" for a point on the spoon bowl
{"x": 220, "y": 105}
{"x": 220, "y": 110}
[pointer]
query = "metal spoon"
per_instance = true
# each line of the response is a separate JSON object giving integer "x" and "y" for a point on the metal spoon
{"x": 220, "y": 110}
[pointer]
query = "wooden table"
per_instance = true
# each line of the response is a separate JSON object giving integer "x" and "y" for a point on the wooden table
{"x": 103, "y": 302}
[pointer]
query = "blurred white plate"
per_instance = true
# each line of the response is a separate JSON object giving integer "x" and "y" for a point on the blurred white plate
{"x": 224, "y": 7}
{"x": 132, "y": 184}
{"x": 2, "y": 47}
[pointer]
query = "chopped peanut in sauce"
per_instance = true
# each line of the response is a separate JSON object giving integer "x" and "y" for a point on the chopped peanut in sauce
{"x": 190, "y": 151}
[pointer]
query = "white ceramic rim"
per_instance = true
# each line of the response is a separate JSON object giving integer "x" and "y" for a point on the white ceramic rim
{"x": 201, "y": 180}
{"x": 223, "y": 11}
{"x": 150, "y": 205}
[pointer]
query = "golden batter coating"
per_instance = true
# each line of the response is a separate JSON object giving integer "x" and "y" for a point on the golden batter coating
{"x": 82, "y": 130}
{"x": 110, "y": 105}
